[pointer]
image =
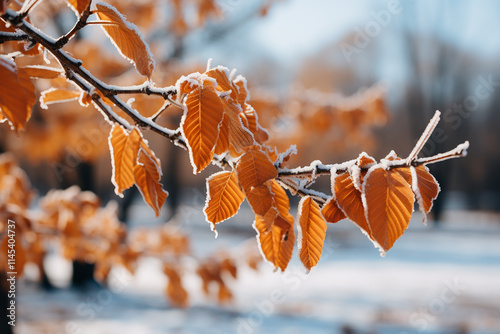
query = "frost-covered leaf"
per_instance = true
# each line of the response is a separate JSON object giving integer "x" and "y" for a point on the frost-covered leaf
{"x": 243, "y": 95}
{"x": 79, "y": 5}
{"x": 42, "y": 72}
{"x": 331, "y": 211}
{"x": 55, "y": 95}
{"x": 389, "y": 205}
{"x": 127, "y": 39}
{"x": 17, "y": 94}
{"x": 254, "y": 168}
{"x": 239, "y": 136}
{"x": 349, "y": 201}
{"x": 311, "y": 232}
{"x": 200, "y": 125}
{"x": 222, "y": 144}
{"x": 221, "y": 75}
{"x": 124, "y": 148}
{"x": 276, "y": 244}
{"x": 224, "y": 197}
{"x": 260, "y": 199}
{"x": 147, "y": 176}
{"x": 425, "y": 187}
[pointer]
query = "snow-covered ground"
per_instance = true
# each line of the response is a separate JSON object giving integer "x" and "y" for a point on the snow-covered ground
{"x": 442, "y": 279}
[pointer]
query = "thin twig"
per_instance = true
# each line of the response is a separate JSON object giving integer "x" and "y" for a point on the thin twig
{"x": 424, "y": 137}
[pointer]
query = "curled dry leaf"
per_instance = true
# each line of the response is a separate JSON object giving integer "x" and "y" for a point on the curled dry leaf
{"x": 124, "y": 148}
{"x": 54, "y": 95}
{"x": 200, "y": 125}
{"x": 349, "y": 201}
{"x": 224, "y": 197}
{"x": 425, "y": 187}
{"x": 147, "y": 176}
{"x": 331, "y": 211}
{"x": 311, "y": 232}
{"x": 17, "y": 94}
{"x": 276, "y": 244}
{"x": 127, "y": 39}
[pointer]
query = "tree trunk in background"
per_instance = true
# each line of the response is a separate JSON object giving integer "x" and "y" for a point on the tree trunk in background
{"x": 83, "y": 273}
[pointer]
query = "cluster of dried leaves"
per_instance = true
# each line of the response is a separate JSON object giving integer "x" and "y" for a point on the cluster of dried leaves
{"x": 218, "y": 126}
{"x": 73, "y": 222}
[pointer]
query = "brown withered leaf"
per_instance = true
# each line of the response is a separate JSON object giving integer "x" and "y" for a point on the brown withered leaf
{"x": 276, "y": 244}
{"x": 389, "y": 205}
{"x": 428, "y": 189}
{"x": 349, "y": 201}
{"x": 55, "y": 95}
{"x": 127, "y": 39}
{"x": 124, "y": 146}
{"x": 254, "y": 168}
{"x": 312, "y": 232}
{"x": 224, "y": 197}
{"x": 200, "y": 124}
{"x": 17, "y": 94}
{"x": 147, "y": 178}
{"x": 331, "y": 211}
{"x": 41, "y": 72}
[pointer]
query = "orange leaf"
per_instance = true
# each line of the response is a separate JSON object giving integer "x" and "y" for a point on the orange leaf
{"x": 220, "y": 74}
{"x": 312, "y": 232}
{"x": 349, "y": 201}
{"x": 389, "y": 205}
{"x": 426, "y": 188}
{"x": 200, "y": 125}
{"x": 280, "y": 199}
{"x": 239, "y": 136}
{"x": 276, "y": 245}
{"x": 260, "y": 134}
{"x": 17, "y": 94}
{"x": 124, "y": 148}
{"x": 243, "y": 95}
{"x": 254, "y": 168}
{"x": 54, "y": 95}
{"x": 331, "y": 211}
{"x": 175, "y": 290}
{"x": 222, "y": 144}
{"x": 127, "y": 39}
{"x": 79, "y": 5}
{"x": 260, "y": 199}
{"x": 224, "y": 197}
{"x": 147, "y": 176}
{"x": 41, "y": 72}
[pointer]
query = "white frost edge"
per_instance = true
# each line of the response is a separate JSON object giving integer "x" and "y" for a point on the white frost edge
{"x": 207, "y": 199}
{"x": 45, "y": 105}
{"x": 245, "y": 84}
{"x": 132, "y": 27}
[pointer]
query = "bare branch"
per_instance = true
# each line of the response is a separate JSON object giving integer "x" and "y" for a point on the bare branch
{"x": 425, "y": 136}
